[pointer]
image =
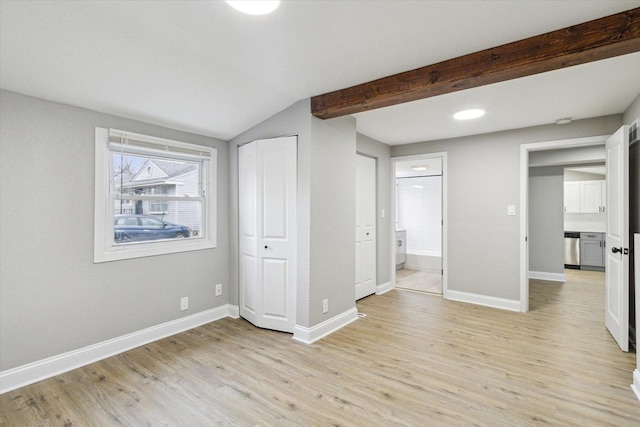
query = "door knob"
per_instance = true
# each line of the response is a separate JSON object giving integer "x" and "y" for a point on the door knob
{"x": 266, "y": 247}
{"x": 616, "y": 250}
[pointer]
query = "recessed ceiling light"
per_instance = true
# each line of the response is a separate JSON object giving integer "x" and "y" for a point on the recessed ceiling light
{"x": 419, "y": 168}
{"x": 564, "y": 121}
{"x": 469, "y": 114}
{"x": 254, "y": 7}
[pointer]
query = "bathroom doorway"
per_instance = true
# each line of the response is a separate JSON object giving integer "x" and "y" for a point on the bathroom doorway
{"x": 419, "y": 224}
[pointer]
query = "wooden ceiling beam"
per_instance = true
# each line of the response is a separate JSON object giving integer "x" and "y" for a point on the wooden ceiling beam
{"x": 595, "y": 40}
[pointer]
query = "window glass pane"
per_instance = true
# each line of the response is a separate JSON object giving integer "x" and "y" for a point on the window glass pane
{"x": 140, "y": 175}
{"x": 181, "y": 219}
{"x": 156, "y": 219}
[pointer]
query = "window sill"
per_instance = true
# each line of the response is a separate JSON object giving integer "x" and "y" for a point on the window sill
{"x": 141, "y": 250}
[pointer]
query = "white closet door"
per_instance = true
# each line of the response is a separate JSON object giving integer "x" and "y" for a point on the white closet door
{"x": 268, "y": 200}
{"x": 617, "y": 241}
{"x": 365, "y": 226}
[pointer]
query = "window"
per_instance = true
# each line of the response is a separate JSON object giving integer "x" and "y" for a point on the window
{"x": 153, "y": 196}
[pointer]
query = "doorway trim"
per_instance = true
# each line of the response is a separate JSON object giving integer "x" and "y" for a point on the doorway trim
{"x": 524, "y": 200}
{"x": 445, "y": 258}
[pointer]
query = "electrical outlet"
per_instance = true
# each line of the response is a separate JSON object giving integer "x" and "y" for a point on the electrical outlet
{"x": 184, "y": 303}
{"x": 325, "y": 306}
{"x": 219, "y": 289}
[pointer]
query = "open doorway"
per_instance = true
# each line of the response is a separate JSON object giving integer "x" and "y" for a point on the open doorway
{"x": 418, "y": 184}
{"x": 545, "y": 162}
{"x": 616, "y": 187}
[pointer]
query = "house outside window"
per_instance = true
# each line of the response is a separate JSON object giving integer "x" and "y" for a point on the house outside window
{"x": 153, "y": 196}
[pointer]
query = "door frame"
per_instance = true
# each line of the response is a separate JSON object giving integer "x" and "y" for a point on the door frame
{"x": 444, "y": 195}
{"x": 524, "y": 200}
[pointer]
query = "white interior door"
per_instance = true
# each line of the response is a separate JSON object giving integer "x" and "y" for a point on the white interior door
{"x": 617, "y": 241}
{"x": 267, "y": 224}
{"x": 365, "y": 226}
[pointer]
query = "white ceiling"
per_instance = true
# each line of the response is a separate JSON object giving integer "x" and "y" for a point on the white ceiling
{"x": 202, "y": 67}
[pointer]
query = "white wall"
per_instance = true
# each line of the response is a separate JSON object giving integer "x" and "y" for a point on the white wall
{"x": 420, "y": 213}
{"x": 53, "y": 298}
{"x": 483, "y": 178}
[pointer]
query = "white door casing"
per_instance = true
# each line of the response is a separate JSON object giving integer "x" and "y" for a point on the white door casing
{"x": 365, "y": 226}
{"x": 267, "y": 225}
{"x": 617, "y": 240}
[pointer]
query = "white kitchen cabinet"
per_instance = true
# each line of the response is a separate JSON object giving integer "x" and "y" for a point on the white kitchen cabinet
{"x": 584, "y": 196}
{"x": 572, "y": 197}
{"x": 590, "y": 196}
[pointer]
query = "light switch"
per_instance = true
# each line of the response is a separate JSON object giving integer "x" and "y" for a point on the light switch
{"x": 511, "y": 210}
{"x": 382, "y": 213}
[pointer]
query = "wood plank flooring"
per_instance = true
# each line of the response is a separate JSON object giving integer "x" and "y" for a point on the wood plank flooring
{"x": 418, "y": 280}
{"x": 414, "y": 360}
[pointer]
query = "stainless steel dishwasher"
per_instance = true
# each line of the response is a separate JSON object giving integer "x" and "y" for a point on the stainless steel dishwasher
{"x": 572, "y": 250}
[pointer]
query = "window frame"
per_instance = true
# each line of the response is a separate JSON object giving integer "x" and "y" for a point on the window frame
{"x": 105, "y": 249}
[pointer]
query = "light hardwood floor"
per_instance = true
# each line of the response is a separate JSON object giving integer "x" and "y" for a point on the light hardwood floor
{"x": 417, "y": 280}
{"x": 414, "y": 360}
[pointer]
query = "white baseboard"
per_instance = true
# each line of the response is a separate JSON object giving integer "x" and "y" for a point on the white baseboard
{"x": 385, "y": 287}
{"x": 551, "y": 277}
{"x": 21, "y": 376}
{"x": 321, "y": 330}
{"x": 636, "y": 382}
{"x": 233, "y": 311}
{"x": 495, "y": 302}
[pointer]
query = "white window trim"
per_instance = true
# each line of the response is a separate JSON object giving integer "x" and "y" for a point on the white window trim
{"x": 104, "y": 249}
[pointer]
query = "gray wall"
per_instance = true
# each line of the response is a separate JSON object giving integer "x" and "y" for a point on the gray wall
{"x": 333, "y": 217}
{"x": 295, "y": 120}
{"x": 53, "y": 298}
{"x": 568, "y": 156}
{"x": 382, "y": 153}
{"x": 483, "y": 178}
{"x": 546, "y": 219}
{"x": 326, "y": 208}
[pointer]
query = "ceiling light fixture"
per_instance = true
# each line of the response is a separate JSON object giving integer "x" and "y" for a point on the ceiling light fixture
{"x": 254, "y": 7}
{"x": 474, "y": 113}
{"x": 564, "y": 121}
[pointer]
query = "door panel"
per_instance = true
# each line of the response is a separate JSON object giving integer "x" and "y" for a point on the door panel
{"x": 248, "y": 290}
{"x": 617, "y": 241}
{"x": 248, "y": 280}
{"x": 267, "y": 217}
{"x": 274, "y": 200}
{"x": 365, "y": 226}
{"x": 276, "y": 281}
